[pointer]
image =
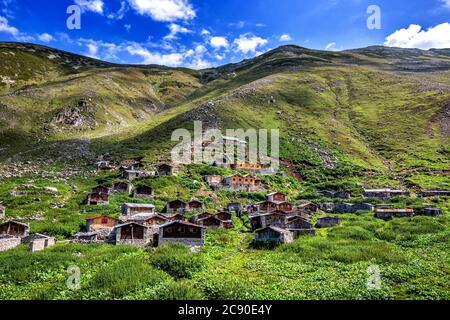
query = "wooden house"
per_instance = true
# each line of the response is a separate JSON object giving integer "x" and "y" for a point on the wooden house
{"x": 97, "y": 198}
{"x": 122, "y": 187}
{"x": 200, "y": 216}
{"x": 132, "y": 233}
{"x": 269, "y": 206}
{"x": 224, "y": 216}
{"x": 275, "y": 218}
{"x": 177, "y": 217}
{"x": 308, "y": 207}
{"x": 328, "y": 222}
{"x": 14, "y": 228}
{"x": 296, "y": 222}
{"x": 165, "y": 170}
{"x": 276, "y": 197}
{"x": 273, "y": 234}
{"x": 195, "y": 205}
{"x": 144, "y": 192}
{"x": 176, "y": 206}
{"x": 132, "y": 209}
{"x": 156, "y": 220}
{"x": 211, "y": 222}
{"x": 100, "y": 189}
{"x": 242, "y": 182}
{"x": 94, "y": 224}
{"x": 387, "y": 214}
{"x": 182, "y": 232}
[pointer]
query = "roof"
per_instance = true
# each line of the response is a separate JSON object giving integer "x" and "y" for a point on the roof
{"x": 128, "y": 224}
{"x": 189, "y": 224}
{"x": 277, "y": 192}
{"x": 395, "y": 210}
{"x": 276, "y": 229}
{"x": 15, "y": 222}
{"x": 139, "y": 205}
{"x": 96, "y": 217}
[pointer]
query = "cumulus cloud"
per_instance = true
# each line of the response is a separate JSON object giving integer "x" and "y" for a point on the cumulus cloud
{"x": 6, "y": 28}
{"x": 415, "y": 37}
{"x": 91, "y": 5}
{"x": 247, "y": 43}
{"x": 119, "y": 15}
{"x": 174, "y": 30}
{"x": 219, "y": 42}
{"x": 285, "y": 37}
{"x": 164, "y": 10}
{"x": 45, "y": 37}
{"x": 446, "y": 3}
{"x": 171, "y": 59}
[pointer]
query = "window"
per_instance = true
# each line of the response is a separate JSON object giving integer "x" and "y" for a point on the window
{"x": 104, "y": 221}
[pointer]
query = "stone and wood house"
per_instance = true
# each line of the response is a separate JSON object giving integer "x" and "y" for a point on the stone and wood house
{"x": 14, "y": 228}
{"x": 132, "y": 209}
{"x": 387, "y": 214}
{"x": 144, "y": 192}
{"x": 132, "y": 233}
{"x": 328, "y": 222}
{"x": 122, "y": 187}
{"x": 97, "y": 198}
{"x": 182, "y": 232}
{"x": 274, "y": 235}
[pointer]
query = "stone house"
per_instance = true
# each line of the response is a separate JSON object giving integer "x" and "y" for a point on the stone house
{"x": 97, "y": 198}
{"x": 182, "y": 232}
{"x": 273, "y": 234}
{"x": 86, "y": 237}
{"x": 38, "y": 242}
{"x": 176, "y": 206}
{"x": 144, "y": 192}
{"x": 14, "y": 228}
{"x": 385, "y": 193}
{"x": 132, "y": 233}
{"x": 387, "y": 214}
{"x": 165, "y": 170}
{"x": 132, "y": 174}
{"x": 132, "y": 209}
{"x": 328, "y": 222}
{"x": 122, "y": 187}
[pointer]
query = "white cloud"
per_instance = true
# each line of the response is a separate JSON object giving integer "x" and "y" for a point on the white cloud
{"x": 285, "y": 37}
{"x": 219, "y": 42}
{"x": 91, "y": 5}
{"x": 330, "y": 46}
{"x": 174, "y": 30}
{"x": 260, "y": 25}
{"x": 205, "y": 32}
{"x": 415, "y": 37}
{"x": 5, "y": 27}
{"x": 172, "y": 59}
{"x": 247, "y": 43}
{"x": 199, "y": 64}
{"x": 119, "y": 15}
{"x": 164, "y": 10}
{"x": 446, "y": 3}
{"x": 127, "y": 27}
{"x": 45, "y": 37}
{"x": 200, "y": 50}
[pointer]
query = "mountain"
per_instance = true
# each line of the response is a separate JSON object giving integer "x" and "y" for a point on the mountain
{"x": 377, "y": 113}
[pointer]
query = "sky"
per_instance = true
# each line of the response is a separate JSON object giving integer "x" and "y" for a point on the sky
{"x": 205, "y": 33}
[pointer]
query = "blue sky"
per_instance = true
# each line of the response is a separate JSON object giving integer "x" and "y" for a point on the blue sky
{"x": 204, "y": 33}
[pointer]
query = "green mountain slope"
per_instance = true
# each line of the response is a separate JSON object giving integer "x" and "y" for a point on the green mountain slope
{"x": 359, "y": 112}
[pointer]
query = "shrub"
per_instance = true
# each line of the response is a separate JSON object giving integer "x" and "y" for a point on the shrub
{"x": 181, "y": 290}
{"x": 176, "y": 260}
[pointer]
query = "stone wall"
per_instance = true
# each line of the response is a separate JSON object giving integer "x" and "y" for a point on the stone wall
{"x": 8, "y": 243}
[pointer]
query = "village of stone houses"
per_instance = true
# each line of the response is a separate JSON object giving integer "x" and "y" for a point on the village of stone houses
{"x": 133, "y": 204}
